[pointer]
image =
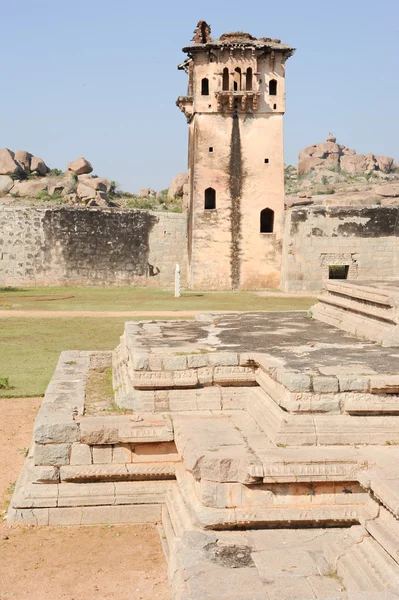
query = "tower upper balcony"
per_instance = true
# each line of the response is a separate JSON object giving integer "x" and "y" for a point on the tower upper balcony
{"x": 234, "y": 73}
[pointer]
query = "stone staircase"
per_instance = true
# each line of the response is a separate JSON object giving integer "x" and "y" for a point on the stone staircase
{"x": 267, "y": 481}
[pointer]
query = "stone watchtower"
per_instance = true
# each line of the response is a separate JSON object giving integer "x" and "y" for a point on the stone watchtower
{"x": 234, "y": 107}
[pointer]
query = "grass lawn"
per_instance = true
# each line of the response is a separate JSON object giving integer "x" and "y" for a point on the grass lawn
{"x": 138, "y": 298}
{"x": 29, "y": 348}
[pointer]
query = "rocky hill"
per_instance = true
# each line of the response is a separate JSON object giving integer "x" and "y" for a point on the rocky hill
{"x": 26, "y": 179}
{"x": 331, "y": 173}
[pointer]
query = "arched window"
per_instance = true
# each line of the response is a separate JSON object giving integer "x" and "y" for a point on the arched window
{"x": 272, "y": 87}
{"x": 205, "y": 87}
{"x": 225, "y": 79}
{"x": 237, "y": 79}
{"x": 248, "y": 80}
{"x": 266, "y": 220}
{"x": 210, "y": 199}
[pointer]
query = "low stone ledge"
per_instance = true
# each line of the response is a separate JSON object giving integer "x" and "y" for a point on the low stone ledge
{"x": 123, "y": 429}
{"x": 115, "y": 472}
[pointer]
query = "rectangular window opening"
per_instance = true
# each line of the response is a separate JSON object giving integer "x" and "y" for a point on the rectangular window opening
{"x": 266, "y": 161}
{"x": 210, "y": 148}
{"x": 274, "y": 106}
{"x": 338, "y": 271}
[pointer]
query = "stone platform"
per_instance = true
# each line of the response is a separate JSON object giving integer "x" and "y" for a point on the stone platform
{"x": 264, "y": 445}
{"x": 366, "y": 309}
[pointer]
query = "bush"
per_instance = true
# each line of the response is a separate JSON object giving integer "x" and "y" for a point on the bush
{"x": 324, "y": 180}
{"x": 46, "y": 197}
{"x": 143, "y": 203}
{"x": 55, "y": 173}
{"x": 4, "y": 383}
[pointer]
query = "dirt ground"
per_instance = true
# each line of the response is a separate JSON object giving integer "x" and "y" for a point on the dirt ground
{"x": 69, "y": 563}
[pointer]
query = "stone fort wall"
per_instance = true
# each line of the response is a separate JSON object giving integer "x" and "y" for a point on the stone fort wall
{"x": 70, "y": 246}
{"x": 365, "y": 239}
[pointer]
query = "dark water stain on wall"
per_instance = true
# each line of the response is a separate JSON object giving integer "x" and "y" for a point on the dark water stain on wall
{"x": 378, "y": 222}
{"x": 99, "y": 246}
{"x": 236, "y": 180}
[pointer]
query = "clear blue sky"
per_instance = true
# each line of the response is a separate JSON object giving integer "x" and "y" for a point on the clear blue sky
{"x": 99, "y": 78}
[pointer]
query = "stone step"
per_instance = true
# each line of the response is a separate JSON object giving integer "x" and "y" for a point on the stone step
{"x": 385, "y": 530}
{"x": 288, "y": 515}
{"x": 178, "y": 515}
{"x": 284, "y": 428}
{"x": 368, "y": 567}
{"x": 381, "y": 331}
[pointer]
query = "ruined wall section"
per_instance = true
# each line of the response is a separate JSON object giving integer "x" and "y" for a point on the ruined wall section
{"x": 366, "y": 240}
{"x": 66, "y": 246}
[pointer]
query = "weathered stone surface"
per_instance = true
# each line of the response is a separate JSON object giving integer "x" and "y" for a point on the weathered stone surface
{"x": 23, "y": 158}
{"x": 358, "y": 163}
{"x": 80, "y": 166}
{"x": 384, "y": 163}
{"x": 80, "y": 234}
{"x": 80, "y": 454}
{"x": 29, "y": 189}
{"x": 85, "y": 192}
{"x": 387, "y": 384}
{"x": 177, "y": 185}
{"x": 37, "y": 165}
{"x": 52, "y": 454}
{"x": 8, "y": 166}
{"x": 122, "y": 453}
{"x": 58, "y": 428}
{"x": 325, "y": 384}
{"x": 221, "y": 359}
{"x": 45, "y": 474}
{"x": 295, "y": 382}
{"x": 140, "y": 362}
{"x": 146, "y": 192}
{"x": 6, "y": 184}
{"x": 388, "y": 191}
{"x": 196, "y": 361}
{"x": 97, "y": 183}
{"x": 102, "y": 455}
{"x": 175, "y": 363}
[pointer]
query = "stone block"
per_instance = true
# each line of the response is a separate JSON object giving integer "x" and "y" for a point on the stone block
{"x": 155, "y": 362}
{"x": 102, "y": 455}
{"x": 80, "y": 454}
{"x": 46, "y": 474}
{"x": 187, "y": 378}
{"x": 325, "y": 385}
{"x": 294, "y": 382}
{"x": 99, "y": 430}
{"x": 30, "y": 516}
{"x": 234, "y": 376}
{"x": 54, "y": 431}
{"x": 140, "y": 362}
{"x": 205, "y": 375}
{"x": 384, "y": 384}
{"x": 353, "y": 383}
{"x": 174, "y": 363}
{"x": 196, "y": 361}
{"x": 223, "y": 359}
{"x": 122, "y": 453}
{"x": 153, "y": 379}
{"x": 52, "y": 454}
